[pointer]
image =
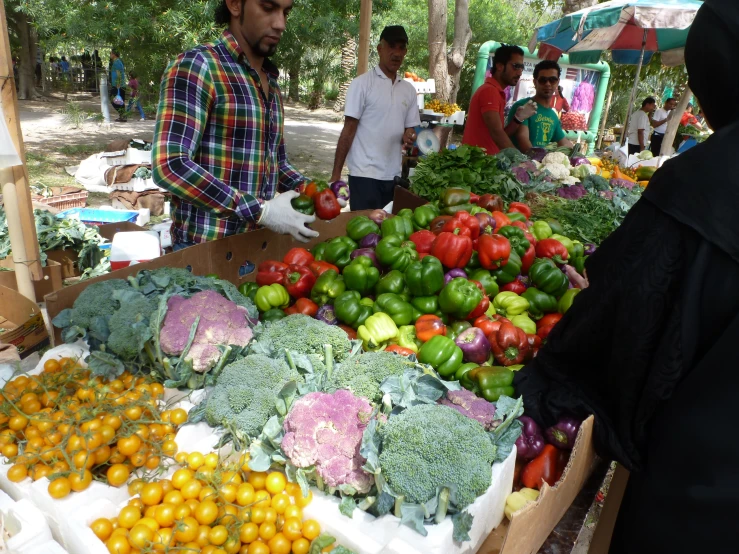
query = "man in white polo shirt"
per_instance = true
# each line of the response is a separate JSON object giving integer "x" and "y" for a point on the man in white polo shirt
{"x": 380, "y": 116}
{"x": 659, "y": 121}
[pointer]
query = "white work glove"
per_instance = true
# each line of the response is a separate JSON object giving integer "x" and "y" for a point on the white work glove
{"x": 526, "y": 111}
{"x": 279, "y": 216}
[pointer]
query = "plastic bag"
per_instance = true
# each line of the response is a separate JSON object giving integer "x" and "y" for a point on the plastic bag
{"x": 118, "y": 101}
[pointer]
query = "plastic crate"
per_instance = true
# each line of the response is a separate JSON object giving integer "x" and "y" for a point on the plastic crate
{"x": 98, "y": 217}
{"x": 66, "y": 201}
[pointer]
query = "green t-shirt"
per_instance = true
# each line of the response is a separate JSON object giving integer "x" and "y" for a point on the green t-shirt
{"x": 544, "y": 126}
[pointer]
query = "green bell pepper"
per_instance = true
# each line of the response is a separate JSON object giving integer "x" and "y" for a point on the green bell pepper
{"x": 398, "y": 225}
{"x": 455, "y": 200}
{"x": 515, "y": 236}
{"x": 540, "y": 303}
{"x": 463, "y": 376}
{"x": 523, "y": 321}
{"x": 361, "y": 275}
{"x": 555, "y": 226}
{"x": 478, "y": 210}
{"x": 424, "y": 215}
{"x": 493, "y": 382}
{"x": 510, "y": 271}
{"x": 249, "y": 290}
{"x": 578, "y": 257}
{"x": 474, "y": 262}
{"x": 319, "y": 251}
{"x": 338, "y": 251}
{"x": 442, "y": 354}
{"x": 407, "y": 338}
{"x": 328, "y": 287}
{"x": 349, "y": 309}
{"x": 547, "y": 277}
{"x": 425, "y": 277}
{"x": 452, "y": 210}
{"x": 360, "y": 226}
{"x": 426, "y": 304}
{"x": 456, "y": 327}
{"x": 303, "y": 204}
{"x": 398, "y": 309}
{"x": 516, "y": 216}
{"x": 393, "y": 281}
{"x": 273, "y": 314}
{"x": 541, "y": 230}
{"x": 377, "y": 331}
{"x": 508, "y": 304}
{"x": 487, "y": 281}
{"x": 459, "y": 297}
{"x": 395, "y": 252}
{"x": 272, "y": 296}
{"x": 566, "y": 242}
{"x": 578, "y": 249}
{"x": 565, "y": 302}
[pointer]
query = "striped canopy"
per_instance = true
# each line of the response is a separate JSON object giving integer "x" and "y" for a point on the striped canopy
{"x": 620, "y": 26}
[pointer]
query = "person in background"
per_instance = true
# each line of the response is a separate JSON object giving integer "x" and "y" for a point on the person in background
{"x": 117, "y": 76}
{"x": 64, "y": 68}
{"x": 133, "y": 84}
{"x": 544, "y": 126}
{"x": 689, "y": 119}
{"x": 659, "y": 121}
{"x": 639, "y": 126}
{"x": 485, "y": 125}
{"x": 218, "y": 142}
{"x": 559, "y": 102}
{"x": 380, "y": 117}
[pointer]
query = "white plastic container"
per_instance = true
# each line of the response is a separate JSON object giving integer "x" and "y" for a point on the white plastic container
{"x": 25, "y": 524}
{"x": 133, "y": 247}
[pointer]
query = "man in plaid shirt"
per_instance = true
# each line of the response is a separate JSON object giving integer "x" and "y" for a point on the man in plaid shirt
{"x": 218, "y": 142}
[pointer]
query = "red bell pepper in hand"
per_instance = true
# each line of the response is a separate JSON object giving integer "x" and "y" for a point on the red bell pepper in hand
{"x": 319, "y": 267}
{"x": 509, "y": 344}
{"x": 543, "y": 468}
{"x": 299, "y": 281}
{"x": 452, "y": 250}
{"x": 552, "y": 248}
{"x": 304, "y": 306}
{"x": 298, "y": 256}
{"x": 467, "y": 224}
{"x": 423, "y": 240}
{"x": 516, "y": 286}
{"x": 521, "y": 208}
{"x": 493, "y": 250}
{"x": 483, "y": 306}
{"x": 327, "y": 207}
{"x": 437, "y": 224}
{"x": 314, "y": 188}
{"x": 501, "y": 219}
{"x": 528, "y": 258}
{"x": 429, "y": 325}
{"x": 270, "y": 272}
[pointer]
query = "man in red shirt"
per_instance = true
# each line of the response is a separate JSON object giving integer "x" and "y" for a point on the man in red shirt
{"x": 485, "y": 123}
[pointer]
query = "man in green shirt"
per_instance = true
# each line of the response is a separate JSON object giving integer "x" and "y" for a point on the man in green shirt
{"x": 544, "y": 126}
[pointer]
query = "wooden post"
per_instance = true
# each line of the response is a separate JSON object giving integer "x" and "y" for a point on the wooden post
{"x": 674, "y": 123}
{"x": 365, "y": 27}
{"x": 606, "y": 111}
{"x": 633, "y": 92}
{"x": 23, "y": 205}
{"x": 22, "y": 269}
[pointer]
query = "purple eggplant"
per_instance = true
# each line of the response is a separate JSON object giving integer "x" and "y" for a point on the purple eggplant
{"x": 474, "y": 344}
{"x": 563, "y": 434}
{"x": 378, "y": 216}
{"x": 452, "y": 273}
{"x": 369, "y": 241}
{"x": 589, "y": 249}
{"x": 327, "y": 315}
{"x": 369, "y": 252}
{"x": 341, "y": 191}
{"x": 531, "y": 442}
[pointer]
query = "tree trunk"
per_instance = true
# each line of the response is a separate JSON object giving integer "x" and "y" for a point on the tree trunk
{"x": 27, "y": 55}
{"x": 462, "y": 37}
{"x": 576, "y": 5}
{"x": 671, "y": 131}
{"x": 438, "y": 66}
{"x": 293, "y": 92}
{"x": 348, "y": 60}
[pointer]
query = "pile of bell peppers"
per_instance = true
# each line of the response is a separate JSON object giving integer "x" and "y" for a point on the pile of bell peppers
{"x": 470, "y": 291}
{"x": 322, "y": 199}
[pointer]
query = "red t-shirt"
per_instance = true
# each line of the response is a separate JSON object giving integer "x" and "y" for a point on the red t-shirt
{"x": 489, "y": 97}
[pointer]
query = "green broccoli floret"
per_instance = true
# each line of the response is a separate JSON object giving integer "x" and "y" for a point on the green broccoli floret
{"x": 129, "y": 326}
{"x": 95, "y": 301}
{"x": 304, "y": 334}
{"x": 429, "y": 446}
{"x": 364, "y": 374}
{"x": 244, "y": 396}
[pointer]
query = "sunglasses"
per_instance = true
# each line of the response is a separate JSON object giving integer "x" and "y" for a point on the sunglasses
{"x": 545, "y": 80}
{"x": 518, "y": 66}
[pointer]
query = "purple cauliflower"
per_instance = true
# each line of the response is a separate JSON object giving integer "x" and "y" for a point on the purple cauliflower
{"x": 623, "y": 183}
{"x": 521, "y": 174}
{"x": 572, "y": 192}
{"x": 607, "y": 194}
{"x": 222, "y": 323}
{"x": 325, "y": 430}
{"x": 470, "y": 405}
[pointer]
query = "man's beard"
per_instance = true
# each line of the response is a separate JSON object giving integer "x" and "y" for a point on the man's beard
{"x": 262, "y": 49}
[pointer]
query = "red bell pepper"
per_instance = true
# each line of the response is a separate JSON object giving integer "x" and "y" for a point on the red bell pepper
{"x": 543, "y": 468}
{"x": 493, "y": 250}
{"x": 299, "y": 281}
{"x": 520, "y": 224}
{"x": 509, "y": 344}
{"x": 490, "y": 202}
{"x": 352, "y": 334}
{"x": 319, "y": 267}
{"x": 467, "y": 224}
{"x": 474, "y": 198}
{"x": 521, "y": 208}
{"x": 304, "y": 306}
{"x": 552, "y": 248}
{"x": 528, "y": 258}
{"x": 437, "y": 224}
{"x": 298, "y": 256}
{"x": 483, "y": 306}
{"x": 423, "y": 240}
{"x": 534, "y": 345}
{"x": 489, "y": 325}
{"x": 545, "y": 325}
{"x": 327, "y": 207}
{"x": 452, "y": 250}
{"x": 429, "y": 325}
{"x": 270, "y": 272}
{"x": 530, "y": 237}
{"x": 516, "y": 286}
{"x": 314, "y": 188}
{"x": 501, "y": 219}
{"x": 399, "y": 350}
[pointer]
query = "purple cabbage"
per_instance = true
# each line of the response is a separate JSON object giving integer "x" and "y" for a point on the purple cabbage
{"x": 327, "y": 315}
{"x": 563, "y": 434}
{"x": 369, "y": 253}
{"x": 537, "y": 154}
{"x": 454, "y": 273}
{"x": 579, "y": 160}
{"x": 369, "y": 241}
{"x": 531, "y": 441}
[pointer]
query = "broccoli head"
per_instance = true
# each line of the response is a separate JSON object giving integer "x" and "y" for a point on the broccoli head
{"x": 245, "y": 393}
{"x": 304, "y": 334}
{"x": 97, "y": 300}
{"x": 429, "y": 446}
{"x": 325, "y": 431}
{"x": 129, "y": 325}
{"x": 469, "y": 404}
{"x": 222, "y": 322}
{"x": 364, "y": 374}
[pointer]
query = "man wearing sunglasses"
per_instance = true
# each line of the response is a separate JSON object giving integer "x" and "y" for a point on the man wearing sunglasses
{"x": 485, "y": 123}
{"x": 544, "y": 127}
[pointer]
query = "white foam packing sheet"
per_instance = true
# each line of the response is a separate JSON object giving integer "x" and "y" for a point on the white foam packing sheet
{"x": 27, "y": 529}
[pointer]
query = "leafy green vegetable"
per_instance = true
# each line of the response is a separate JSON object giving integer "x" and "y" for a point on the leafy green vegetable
{"x": 347, "y": 506}
{"x": 507, "y": 410}
{"x": 589, "y": 219}
{"x": 462, "y": 522}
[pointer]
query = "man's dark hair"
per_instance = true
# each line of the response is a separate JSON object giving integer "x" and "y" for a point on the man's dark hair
{"x": 504, "y": 54}
{"x": 116, "y": 53}
{"x": 648, "y": 100}
{"x": 670, "y": 100}
{"x": 546, "y": 65}
{"x": 132, "y": 74}
{"x": 223, "y": 16}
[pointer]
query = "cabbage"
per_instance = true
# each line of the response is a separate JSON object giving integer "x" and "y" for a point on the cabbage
{"x": 582, "y": 171}
{"x": 579, "y": 160}
{"x": 646, "y": 155}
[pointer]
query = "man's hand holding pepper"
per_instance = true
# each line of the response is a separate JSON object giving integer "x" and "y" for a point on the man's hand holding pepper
{"x": 409, "y": 137}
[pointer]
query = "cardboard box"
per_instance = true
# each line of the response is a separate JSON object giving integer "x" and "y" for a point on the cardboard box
{"x": 51, "y": 281}
{"x": 22, "y": 322}
{"x": 108, "y": 230}
{"x": 403, "y": 198}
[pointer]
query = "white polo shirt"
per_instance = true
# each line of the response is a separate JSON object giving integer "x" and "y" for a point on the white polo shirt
{"x": 385, "y": 109}
{"x": 659, "y": 115}
{"x": 639, "y": 121}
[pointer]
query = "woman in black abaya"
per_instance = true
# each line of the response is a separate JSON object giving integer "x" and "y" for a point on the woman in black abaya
{"x": 651, "y": 347}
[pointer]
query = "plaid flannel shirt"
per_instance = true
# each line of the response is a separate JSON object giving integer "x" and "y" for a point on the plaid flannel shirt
{"x": 218, "y": 143}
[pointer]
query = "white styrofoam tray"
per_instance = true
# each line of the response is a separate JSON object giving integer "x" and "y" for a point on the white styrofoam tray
{"x": 28, "y": 530}
{"x": 455, "y": 119}
{"x": 136, "y": 184}
{"x": 129, "y": 156}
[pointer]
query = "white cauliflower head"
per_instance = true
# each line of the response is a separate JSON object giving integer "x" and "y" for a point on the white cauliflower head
{"x": 556, "y": 158}
{"x": 557, "y": 171}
